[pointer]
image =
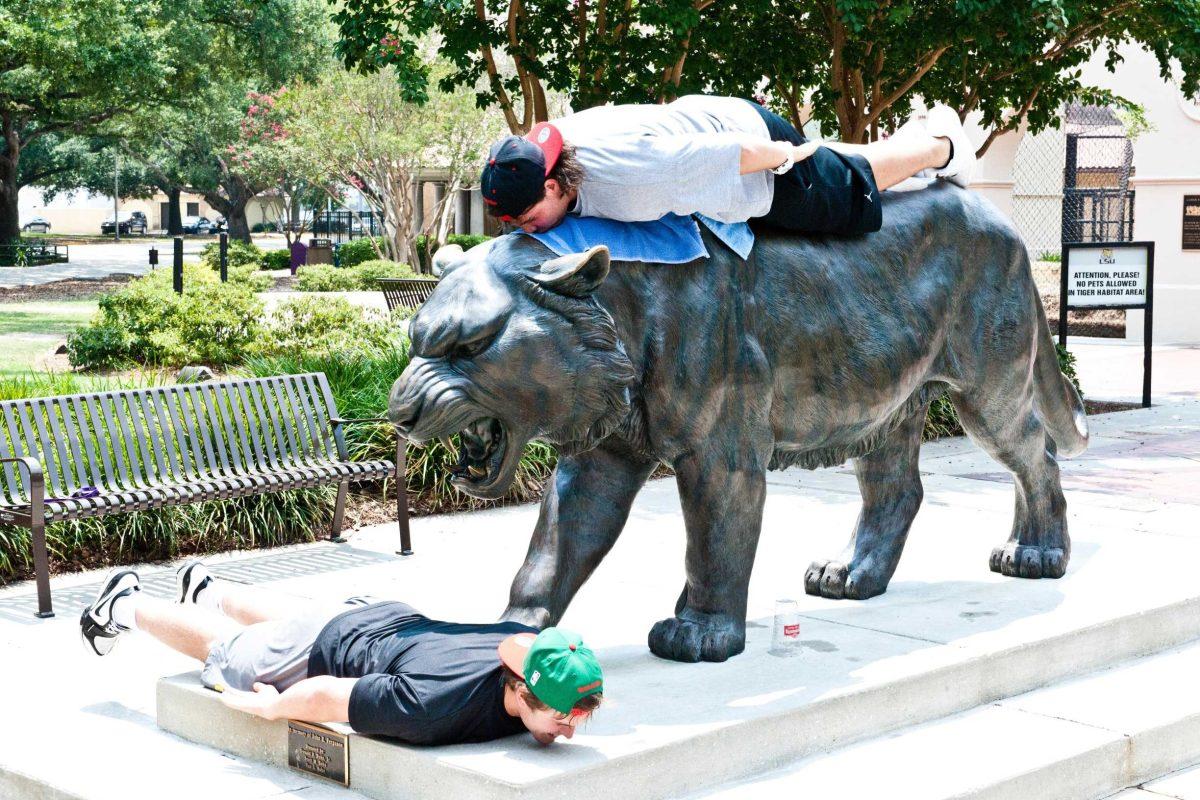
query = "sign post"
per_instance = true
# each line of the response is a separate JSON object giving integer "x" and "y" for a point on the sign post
{"x": 1109, "y": 275}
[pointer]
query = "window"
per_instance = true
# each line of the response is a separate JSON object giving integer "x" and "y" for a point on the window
{"x": 193, "y": 209}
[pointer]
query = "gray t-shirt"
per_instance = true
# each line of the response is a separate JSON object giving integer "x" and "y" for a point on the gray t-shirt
{"x": 644, "y": 161}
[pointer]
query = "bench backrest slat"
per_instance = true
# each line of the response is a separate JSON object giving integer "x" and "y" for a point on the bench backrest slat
{"x": 149, "y": 438}
{"x": 91, "y": 465}
{"x": 182, "y": 454}
{"x": 98, "y": 436}
{"x": 65, "y": 436}
{"x": 285, "y": 408}
{"x": 30, "y": 420}
{"x": 219, "y": 433}
{"x": 199, "y": 427}
{"x": 307, "y": 429}
{"x": 268, "y": 423}
{"x": 12, "y": 488}
{"x": 143, "y": 459}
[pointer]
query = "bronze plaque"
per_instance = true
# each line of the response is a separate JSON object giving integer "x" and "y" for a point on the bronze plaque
{"x": 1191, "y": 222}
{"x": 319, "y": 751}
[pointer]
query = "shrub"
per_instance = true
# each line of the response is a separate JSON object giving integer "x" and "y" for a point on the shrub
{"x": 369, "y": 272}
{"x": 361, "y": 278}
{"x": 277, "y": 259}
{"x": 324, "y": 278}
{"x": 146, "y": 323}
{"x": 324, "y": 325}
{"x": 356, "y": 251}
{"x": 264, "y": 227}
{"x": 241, "y": 254}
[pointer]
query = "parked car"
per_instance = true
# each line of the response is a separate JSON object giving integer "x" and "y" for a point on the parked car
{"x": 36, "y": 225}
{"x": 202, "y": 226}
{"x": 130, "y": 222}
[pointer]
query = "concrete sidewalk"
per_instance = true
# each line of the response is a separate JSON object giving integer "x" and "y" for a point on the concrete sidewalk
{"x": 1133, "y": 504}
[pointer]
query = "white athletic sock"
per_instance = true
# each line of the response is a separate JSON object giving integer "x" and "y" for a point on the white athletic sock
{"x": 124, "y": 610}
{"x": 210, "y": 596}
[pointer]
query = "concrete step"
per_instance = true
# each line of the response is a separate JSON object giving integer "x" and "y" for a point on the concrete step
{"x": 755, "y": 713}
{"x": 1081, "y": 739}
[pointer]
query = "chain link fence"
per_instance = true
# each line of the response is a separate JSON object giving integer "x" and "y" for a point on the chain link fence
{"x": 1071, "y": 184}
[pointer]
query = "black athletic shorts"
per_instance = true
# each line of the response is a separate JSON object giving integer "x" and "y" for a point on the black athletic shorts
{"x": 828, "y": 192}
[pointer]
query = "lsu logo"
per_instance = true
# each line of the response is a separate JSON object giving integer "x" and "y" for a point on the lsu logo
{"x": 1106, "y": 256}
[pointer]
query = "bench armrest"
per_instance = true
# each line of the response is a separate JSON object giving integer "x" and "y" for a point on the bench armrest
{"x": 37, "y": 484}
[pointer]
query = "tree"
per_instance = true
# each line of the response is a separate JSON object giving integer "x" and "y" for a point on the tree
{"x": 597, "y": 50}
{"x": 67, "y": 68}
{"x": 856, "y": 65}
{"x": 366, "y": 134}
{"x": 269, "y": 153}
{"x": 258, "y": 47}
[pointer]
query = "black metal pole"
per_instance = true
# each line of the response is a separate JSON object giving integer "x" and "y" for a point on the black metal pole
{"x": 1148, "y": 326}
{"x": 224, "y": 257}
{"x": 178, "y": 266}
{"x": 153, "y": 257}
{"x": 1063, "y": 262}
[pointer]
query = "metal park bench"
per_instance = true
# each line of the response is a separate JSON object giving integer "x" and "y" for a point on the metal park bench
{"x": 29, "y": 254}
{"x": 406, "y": 292}
{"x": 140, "y": 449}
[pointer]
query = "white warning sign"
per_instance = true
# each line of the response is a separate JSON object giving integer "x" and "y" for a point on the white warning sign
{"x": 1106, "y": 276}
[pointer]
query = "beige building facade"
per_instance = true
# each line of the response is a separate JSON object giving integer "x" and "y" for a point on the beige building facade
{"x": 82, "y": 212}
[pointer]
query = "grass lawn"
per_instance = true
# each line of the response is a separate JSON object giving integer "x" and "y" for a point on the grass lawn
{"x": 58, "y": 318}
{"x": 29, "y": 332}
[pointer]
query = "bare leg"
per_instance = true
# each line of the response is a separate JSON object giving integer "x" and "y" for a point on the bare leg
{"x": 187, "y": 629}
{"x": 893, "y": 161}
{"x": 251, "y": 604}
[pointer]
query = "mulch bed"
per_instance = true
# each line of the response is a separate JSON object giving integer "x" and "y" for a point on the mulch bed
{"x": 65, "y": 290}
{"x": 1105, "y": 323}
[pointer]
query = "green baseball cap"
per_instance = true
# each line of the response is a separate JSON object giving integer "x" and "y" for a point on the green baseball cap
{"x": 557, "y": 666}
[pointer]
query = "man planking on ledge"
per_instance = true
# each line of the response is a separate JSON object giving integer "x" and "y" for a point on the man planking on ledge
{"x": 382, "y": 667}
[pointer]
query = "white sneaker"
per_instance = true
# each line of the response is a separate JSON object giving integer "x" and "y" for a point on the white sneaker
{"x": 943, "y": 122}
{"x": 97, "y": 627}
{"x": 191, "y": 578}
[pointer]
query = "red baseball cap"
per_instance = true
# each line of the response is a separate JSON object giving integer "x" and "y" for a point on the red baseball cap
{"x": 516, "y": 169}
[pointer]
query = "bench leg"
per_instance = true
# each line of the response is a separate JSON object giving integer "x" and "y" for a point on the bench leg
{"x": 41, "y": 571}
{"x": 402, "y": 498}
{"x": 339, "y": 512}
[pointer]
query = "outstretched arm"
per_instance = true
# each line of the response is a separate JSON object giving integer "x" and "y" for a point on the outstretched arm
{"x": 320, "y": 699}
{"x": 760, "y": 154}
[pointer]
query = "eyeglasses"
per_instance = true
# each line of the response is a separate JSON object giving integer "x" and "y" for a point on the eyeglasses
{"x": 573, "y": 717}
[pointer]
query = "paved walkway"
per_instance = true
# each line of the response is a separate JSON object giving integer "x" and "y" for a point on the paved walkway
{"x": 129, "y": 257}
{"x": 92, "y": 261}
{"x": 1134, "y": 491}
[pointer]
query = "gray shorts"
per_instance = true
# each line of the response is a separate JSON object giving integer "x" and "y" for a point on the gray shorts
{"x": 274, "y": 652}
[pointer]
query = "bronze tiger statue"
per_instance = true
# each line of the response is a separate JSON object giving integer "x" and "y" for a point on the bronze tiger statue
{"x": 814, "y": 351}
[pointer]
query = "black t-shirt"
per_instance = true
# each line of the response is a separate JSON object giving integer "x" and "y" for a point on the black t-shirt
{"x": 420, "y": 680}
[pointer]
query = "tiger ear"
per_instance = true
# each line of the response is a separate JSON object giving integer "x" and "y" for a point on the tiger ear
{"x": 575, "y": 274}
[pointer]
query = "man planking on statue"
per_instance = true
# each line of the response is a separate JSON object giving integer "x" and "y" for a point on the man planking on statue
{"x": 380, "y": 666}
{"x": 724, "y": 157}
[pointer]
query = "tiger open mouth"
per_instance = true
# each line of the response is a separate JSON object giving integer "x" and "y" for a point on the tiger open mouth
{"x": 486, "y": 459}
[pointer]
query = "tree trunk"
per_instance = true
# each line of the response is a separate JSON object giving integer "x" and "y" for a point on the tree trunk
{"x": 174, "y": 212}
{"x": 233, "y": 207}
{"x": 10, "y": 221}
{"x": 239, "y": 227}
